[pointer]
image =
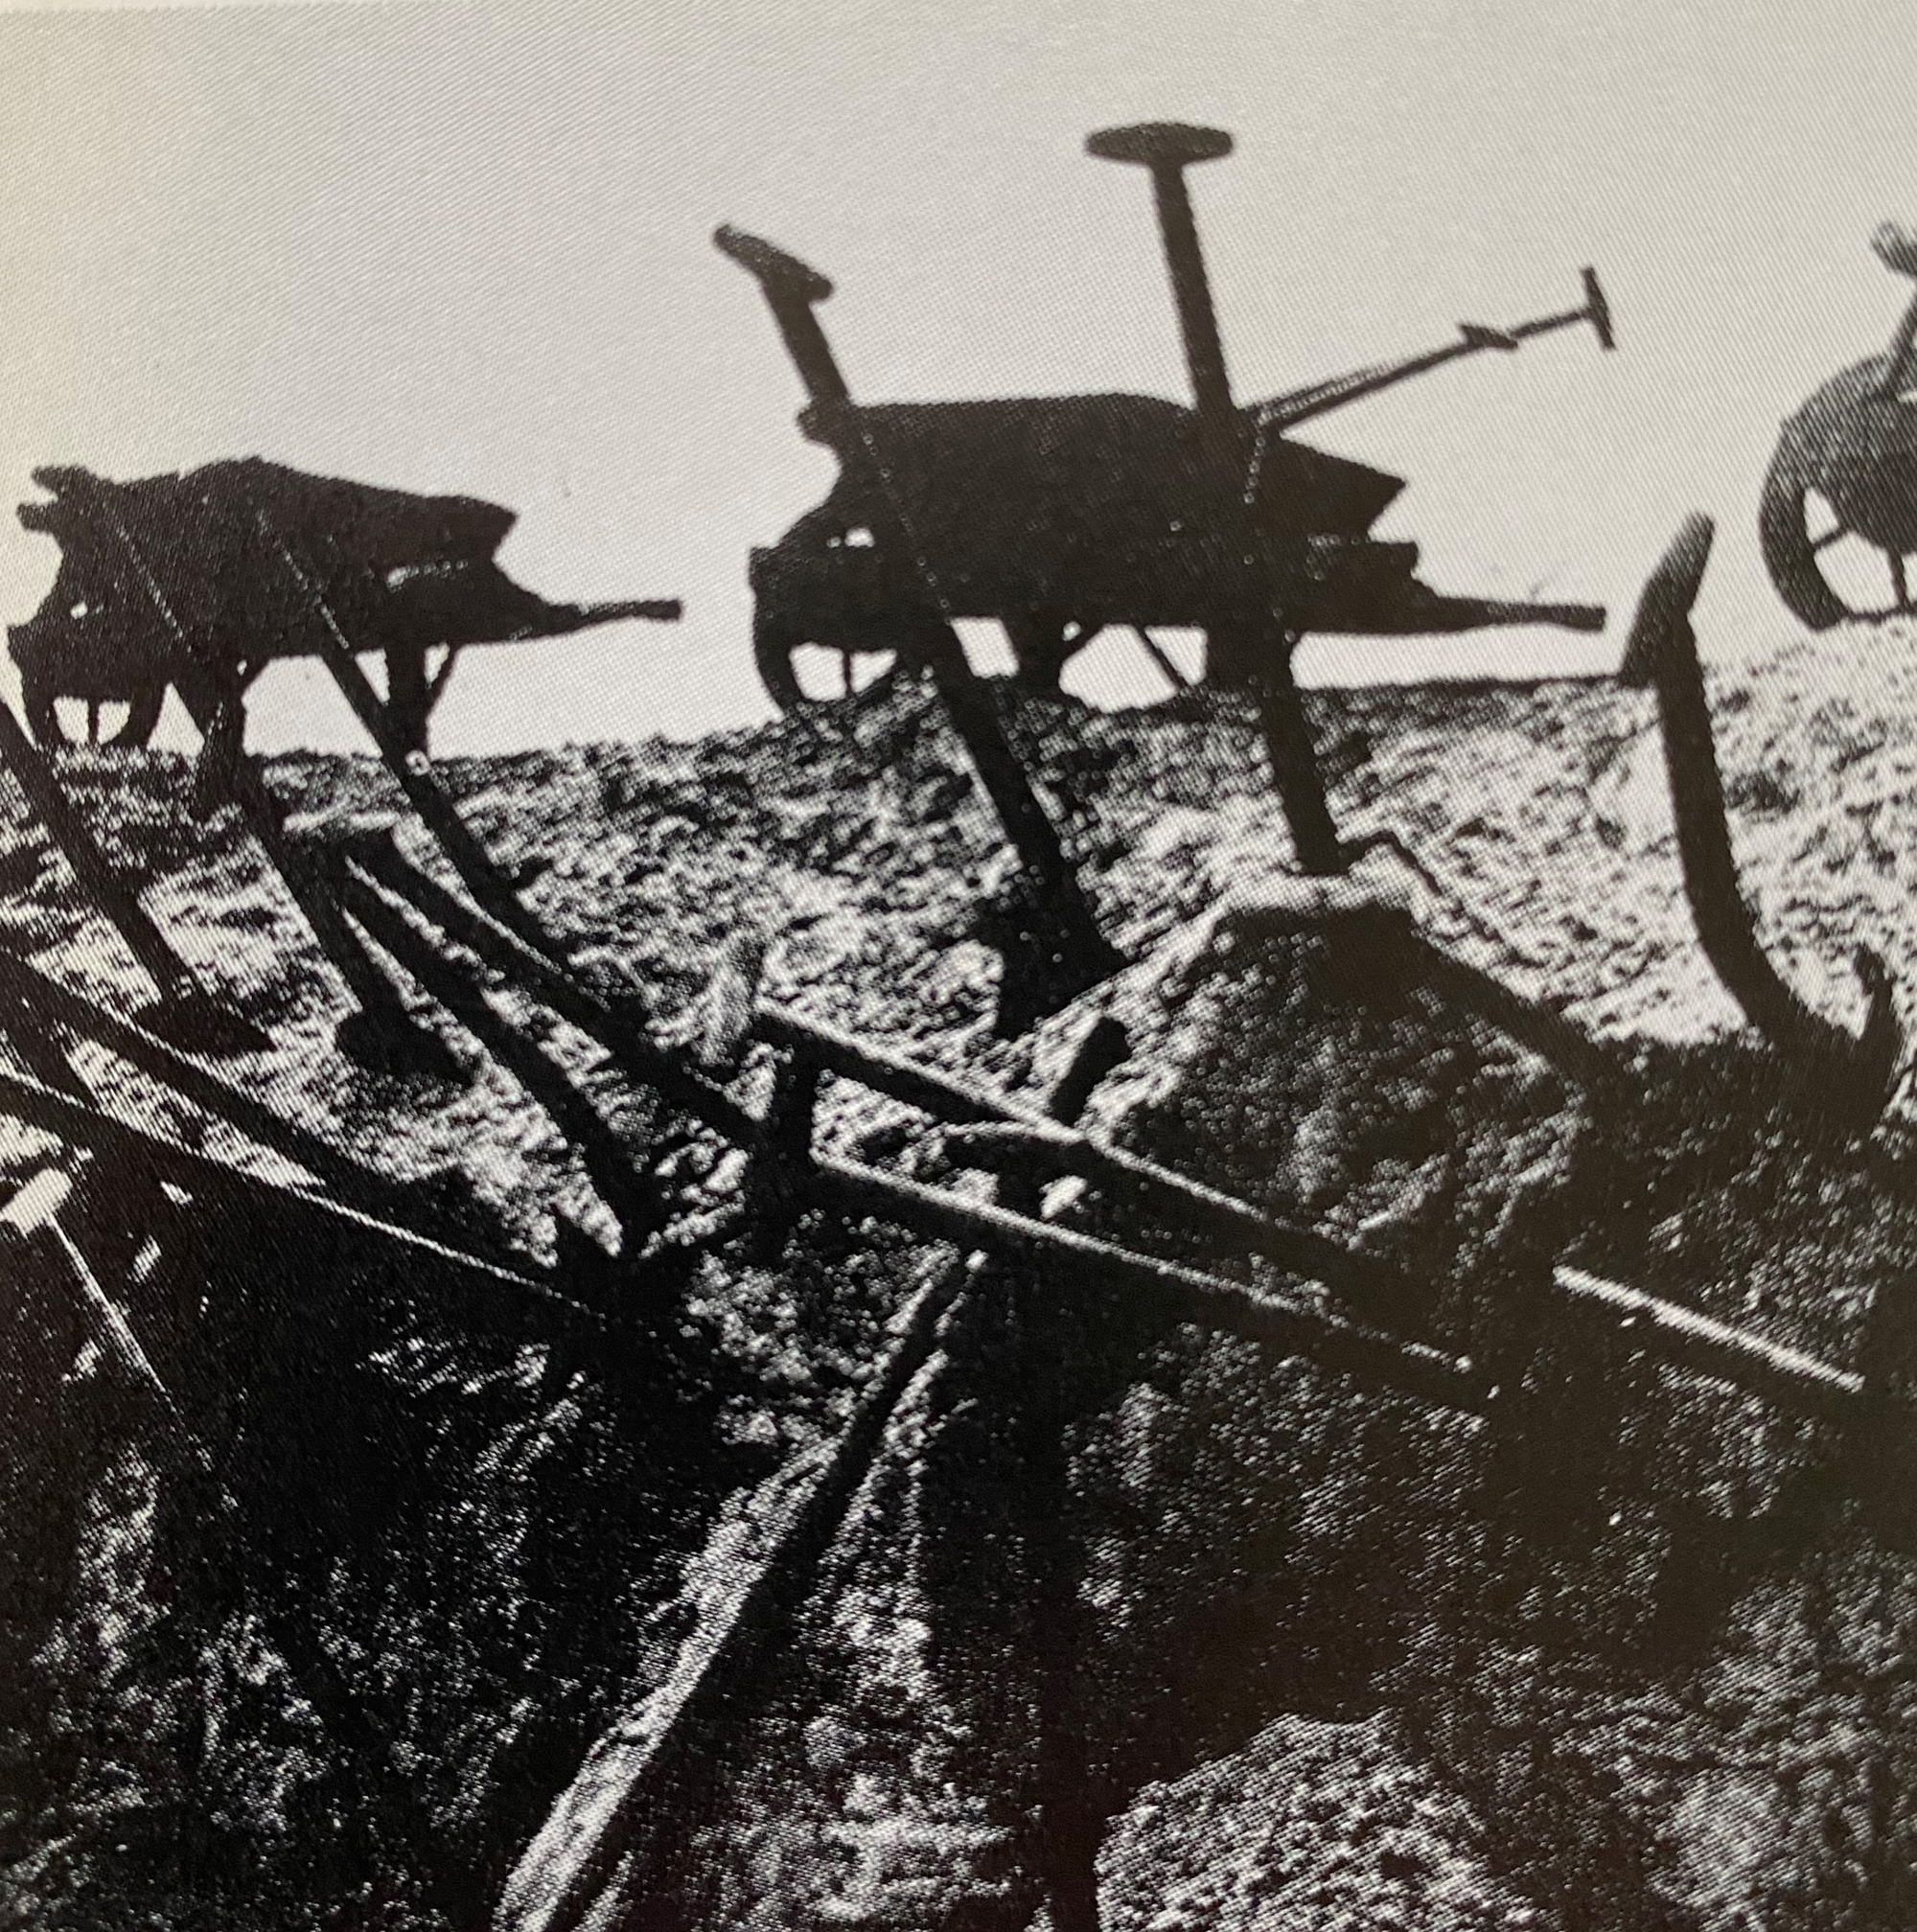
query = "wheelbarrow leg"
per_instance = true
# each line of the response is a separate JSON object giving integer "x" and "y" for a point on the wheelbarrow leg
{"x": 1257, "y": 658}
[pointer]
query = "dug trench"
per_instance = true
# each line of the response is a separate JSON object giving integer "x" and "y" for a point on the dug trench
{"x": 1633, "y": 1652}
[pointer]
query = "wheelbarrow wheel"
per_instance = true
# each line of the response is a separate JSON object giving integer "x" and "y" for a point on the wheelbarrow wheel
{"x": 40, "y": 698}
{"x": 1838, "y": 520}
{"x": 1790, "y": 552}
{"x": 774, "y": 647}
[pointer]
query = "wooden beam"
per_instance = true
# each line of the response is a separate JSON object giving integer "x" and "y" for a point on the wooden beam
{"x": 191, "y": 1015}
{"x": 1795, "y": 1381}
{"x": 632, "y": 1195}
{"x": 1367, "y": 1280}
{"x": 408, "y": 763}
{"x": 512, "y": 1290}
{"x": 59, "y": 1006}
{"x": 614, "y": 1833}
{"x": 617, "y": 1030}
{"x": 1174, "y": 1292}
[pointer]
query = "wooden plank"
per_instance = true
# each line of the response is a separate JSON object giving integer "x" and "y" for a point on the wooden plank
{"x": 632, "y": 1195}
{"x": 515, "y": 1291}
{"x": 194, "y": 1017}
{"x": 1786, "y": 1376}
{"x": 618, "y": 1030}
{"x": 60, "y": 1005}
{"x": 628, "y": 1810}
{"x": 98, "y": 879}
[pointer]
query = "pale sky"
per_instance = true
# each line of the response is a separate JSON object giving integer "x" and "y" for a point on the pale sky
{"x": 467, "y": 248}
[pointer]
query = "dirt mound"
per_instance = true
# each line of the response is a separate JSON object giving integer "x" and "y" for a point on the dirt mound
{"x": 1313, "y": 1826}
{"x": 1649, "y": 1610}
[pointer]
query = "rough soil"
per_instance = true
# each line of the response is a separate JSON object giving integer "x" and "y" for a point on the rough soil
{"x": 1637, "y": 1656}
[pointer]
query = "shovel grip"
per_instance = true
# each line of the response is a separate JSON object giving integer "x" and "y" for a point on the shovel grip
{"x": 775, "y": 271}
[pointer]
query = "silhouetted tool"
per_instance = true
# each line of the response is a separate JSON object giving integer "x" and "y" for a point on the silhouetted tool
{"x": 1044, "y": 929}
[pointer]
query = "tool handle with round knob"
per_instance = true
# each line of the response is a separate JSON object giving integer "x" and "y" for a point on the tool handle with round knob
{"x": 1167, "y": 147}
{"x": 1160, "y": 144}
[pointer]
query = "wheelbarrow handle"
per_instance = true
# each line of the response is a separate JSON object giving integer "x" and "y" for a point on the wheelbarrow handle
{"x": 1159, "y": 144}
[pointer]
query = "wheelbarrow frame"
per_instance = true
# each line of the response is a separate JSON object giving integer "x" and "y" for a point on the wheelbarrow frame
{"x": 1057, "y": 515}
{"x": 415, "y": 573}
{"x": 1149, "y": 552}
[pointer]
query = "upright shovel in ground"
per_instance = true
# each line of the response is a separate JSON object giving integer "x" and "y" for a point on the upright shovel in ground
{"x": 1041, "y": 924}
{"x": 1258, "y": 649}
